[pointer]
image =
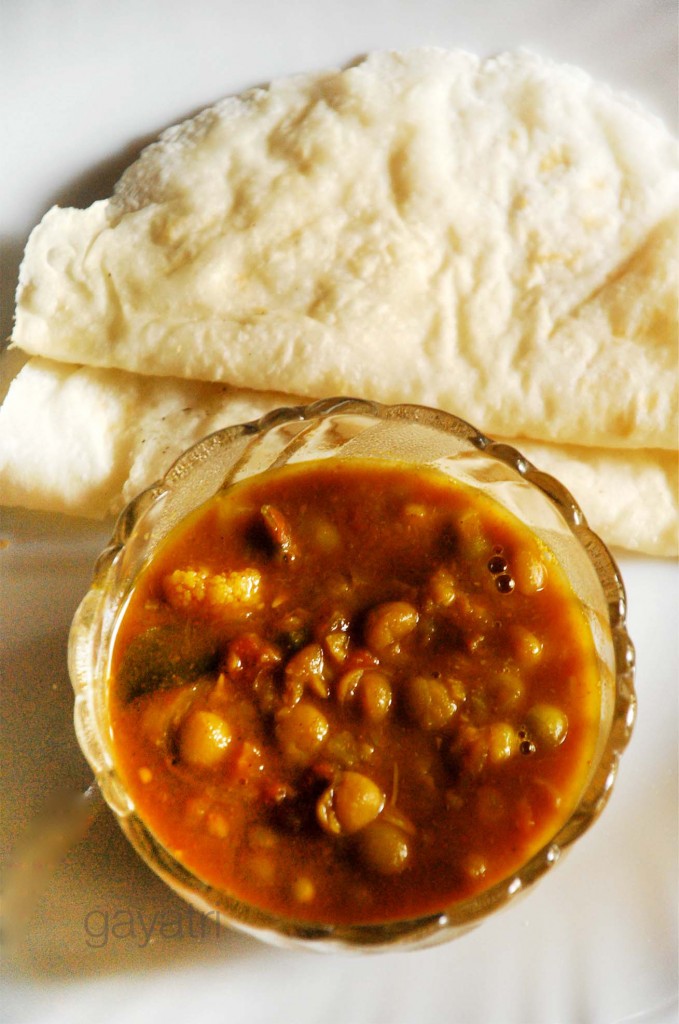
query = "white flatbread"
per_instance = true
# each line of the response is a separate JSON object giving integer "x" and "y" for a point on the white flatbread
{"x": 630, "y": 497}
{"x": 494, "y": 237}
{"x": 85, "y": 441}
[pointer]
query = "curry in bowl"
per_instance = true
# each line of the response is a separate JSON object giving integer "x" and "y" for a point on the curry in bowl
{"x": 353, "y": 695}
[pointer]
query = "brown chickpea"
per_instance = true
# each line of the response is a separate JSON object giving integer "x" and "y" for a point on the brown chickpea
{"x": 506, "y": 690}
{"x": 429, "y": 703}
{"x": 503, "y": 742}
{"x": 375, "y": 695}
{"x": 337, "y": 647}
{"x": 383, "y": 848}
{"x": 350, "y": 804}
{"x": 303, "y": 890}
{"x": 442, "y": 589}
{"x": 304, "y": 671}
{"x": 204, "y": 738}
{"x": 528, "y": 571}
{"x": 548, "y": 725}
{"x": 347, "y": 684}
{"x": 370, "y": 688}
{"x": 301, "y": 731}
{"x": 527, "y": 647}
{"x": 389, "y": 623}
{"x": 475, "y": 865}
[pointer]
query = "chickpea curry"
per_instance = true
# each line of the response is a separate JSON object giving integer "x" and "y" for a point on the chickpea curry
{"x": 352, "y": 692}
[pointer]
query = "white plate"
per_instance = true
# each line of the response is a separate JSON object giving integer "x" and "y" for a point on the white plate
{"x": 84, "y": 84}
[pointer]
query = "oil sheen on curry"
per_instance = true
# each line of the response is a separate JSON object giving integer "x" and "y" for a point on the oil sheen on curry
{"x": 353, "y": 692}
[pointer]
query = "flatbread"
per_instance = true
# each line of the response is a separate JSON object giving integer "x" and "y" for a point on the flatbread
{"x": 85, "y": 440}
{"x": 494, "y": 237}
{"x": 630, "y": 497}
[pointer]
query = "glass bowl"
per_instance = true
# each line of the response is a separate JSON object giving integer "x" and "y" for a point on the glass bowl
{"x": 339, "y": 429}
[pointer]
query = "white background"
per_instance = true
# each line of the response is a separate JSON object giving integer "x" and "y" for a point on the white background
{"x": 83, "y": 85}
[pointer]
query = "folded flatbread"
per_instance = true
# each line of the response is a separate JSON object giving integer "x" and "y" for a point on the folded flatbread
{"x": 86, "y": 440}
{"x": 498, "y": 238}
{"x": 495, "y": 237}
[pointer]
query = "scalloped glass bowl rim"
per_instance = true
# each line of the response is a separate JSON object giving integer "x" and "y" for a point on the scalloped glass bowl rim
{"x": 95, "y": 615}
